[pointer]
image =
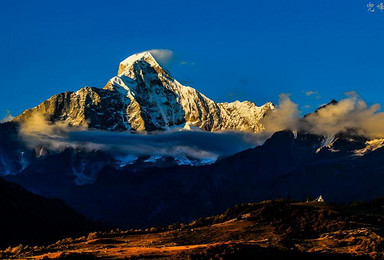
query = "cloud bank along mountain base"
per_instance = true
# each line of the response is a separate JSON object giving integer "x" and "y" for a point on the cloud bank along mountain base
{"x": 349, "y": 114}
{"x": 37, "y": 131}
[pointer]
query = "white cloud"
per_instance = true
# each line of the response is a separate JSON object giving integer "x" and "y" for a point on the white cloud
{"x": 37, "y": 131}
{"x": 162, "y": 55}
{"x": 187, "y": 63}
{"x": 351, "y": 113}
{"x": 8, "y": 117}
{"x": 285, "y": 116}
{"x": 310, "y": 93}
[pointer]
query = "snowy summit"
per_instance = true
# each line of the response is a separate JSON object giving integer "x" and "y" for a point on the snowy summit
{"x": 144, "y": 97}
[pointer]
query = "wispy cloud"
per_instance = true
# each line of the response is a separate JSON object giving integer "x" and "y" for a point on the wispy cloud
{"x": 310, "y": 93}
{"x": 349, "y": 114}
{"x": 187, "y": 63}
{"x": 197, "y": 144}
{"x": 7, "y": 118}
{"x": 163, "y": 56}
{"x": 285, "y": 116}
{"x": 37, "y": 131}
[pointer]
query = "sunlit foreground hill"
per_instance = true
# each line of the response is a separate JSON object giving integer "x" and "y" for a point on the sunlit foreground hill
{"x": 266, "y": 230}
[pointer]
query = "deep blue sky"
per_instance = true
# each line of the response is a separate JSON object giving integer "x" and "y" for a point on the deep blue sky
{"x": 246, "y": 50}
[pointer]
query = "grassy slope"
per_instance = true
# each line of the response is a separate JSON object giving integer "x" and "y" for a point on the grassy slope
{"x": 271, "y": 230}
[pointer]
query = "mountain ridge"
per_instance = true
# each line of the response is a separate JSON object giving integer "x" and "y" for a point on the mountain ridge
{"x": 143, "y": 97}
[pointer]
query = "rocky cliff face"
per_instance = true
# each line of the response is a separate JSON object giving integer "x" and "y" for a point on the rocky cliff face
{"x": 144, "y": 97}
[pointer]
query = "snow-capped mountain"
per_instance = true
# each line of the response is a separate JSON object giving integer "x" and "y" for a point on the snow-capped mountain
{"x": 110, "y": 184}
{"x": 144, "y": 97}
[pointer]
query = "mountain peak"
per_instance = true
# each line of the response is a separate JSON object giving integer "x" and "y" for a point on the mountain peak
{"x": 145, "y": 56}
{"x": 144, "y": 97}
{"x": 331, "y": 103}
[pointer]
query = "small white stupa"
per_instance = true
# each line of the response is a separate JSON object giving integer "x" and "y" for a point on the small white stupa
{"x": 319, "y": 199}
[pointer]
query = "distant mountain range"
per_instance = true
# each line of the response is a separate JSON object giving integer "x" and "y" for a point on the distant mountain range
{"x": 295, "y": 165}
